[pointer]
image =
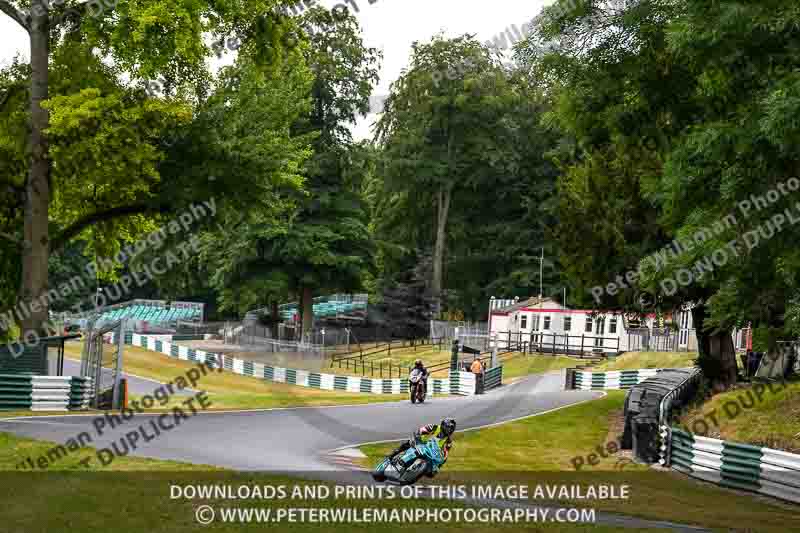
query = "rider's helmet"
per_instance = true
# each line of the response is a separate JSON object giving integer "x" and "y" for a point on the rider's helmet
{"x": 418, "y": 363}
{"x": 447, "y": 427}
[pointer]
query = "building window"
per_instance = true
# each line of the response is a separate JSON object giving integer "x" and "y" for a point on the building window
{"x": 535, "y": 323}
{"x": 612, "y": 326}
{"x": 567, "y": 323}
{"x": 524, "y": 322}
{"x": 588, "y": 324}
{"x": 546, "y": 323}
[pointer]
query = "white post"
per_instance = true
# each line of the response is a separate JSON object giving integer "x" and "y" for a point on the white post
{"x": 541, "y": 270}
{"x": 118, "y": 367}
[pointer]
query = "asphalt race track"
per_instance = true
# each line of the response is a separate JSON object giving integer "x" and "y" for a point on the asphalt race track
{"x": 297, "y": 439}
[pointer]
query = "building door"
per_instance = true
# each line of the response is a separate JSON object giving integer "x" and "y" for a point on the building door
{"x": 599, "y": 331}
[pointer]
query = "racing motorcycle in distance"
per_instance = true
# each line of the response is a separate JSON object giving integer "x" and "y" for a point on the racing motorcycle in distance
{"x": 416, "y": 385}
{"x": 421, "y": 458}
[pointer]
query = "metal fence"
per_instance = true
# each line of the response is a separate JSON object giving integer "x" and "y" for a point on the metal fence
{"x": 659, "y": 340}
{"x": 453, "y": 330}
{"x": 326, "y": 338}
{"x": 555, "y": 343}
{"x": 104, "y": 366}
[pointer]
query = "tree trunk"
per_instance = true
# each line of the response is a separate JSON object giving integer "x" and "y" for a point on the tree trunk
{"x": 442, "y": 212}
{"x": 275, "y": 319}
{"x": 717, "y": 356}
{"x": 306, "y": 311}
{"x": 36, "y": 251}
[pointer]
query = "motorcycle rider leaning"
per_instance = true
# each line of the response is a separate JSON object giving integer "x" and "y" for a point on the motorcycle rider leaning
{"x": 442, "y": 431}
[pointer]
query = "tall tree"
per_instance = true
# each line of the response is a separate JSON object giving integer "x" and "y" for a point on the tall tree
{"x": 324, "y": 244}
{"x": 679, "y": 113}
{"x": 442, "y": 131}
{"x": 149, "y": 40}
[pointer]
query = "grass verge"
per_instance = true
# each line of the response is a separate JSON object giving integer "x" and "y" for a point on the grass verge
{"x": 634, "y": 360}
{"x": 520, "y": 364}
{"x": 232, "y": 391}
{"x": 760, "y": 414}
{"x": 544, "y": 449}
{"x": 136, "y": 496}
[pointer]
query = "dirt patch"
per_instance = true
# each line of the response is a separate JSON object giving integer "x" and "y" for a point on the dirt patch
{"x": 616, "y": 427}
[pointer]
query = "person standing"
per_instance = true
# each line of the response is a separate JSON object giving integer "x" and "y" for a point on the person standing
{"x": 477, "y": 369}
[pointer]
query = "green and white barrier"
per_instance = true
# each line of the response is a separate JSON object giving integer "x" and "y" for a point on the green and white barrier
{"x": 43, "y": 393}
{"x": 81, "y": 393}
{"x": 493, "y": 378}
{"x": 302, "y": 378}
{"x": 462, "y": 383}
{"x": 738, "y": 466}
{"x": 618, "y": 379}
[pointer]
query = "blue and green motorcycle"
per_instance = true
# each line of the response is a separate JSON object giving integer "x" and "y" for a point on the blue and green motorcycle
{"x": 406, "y": 467}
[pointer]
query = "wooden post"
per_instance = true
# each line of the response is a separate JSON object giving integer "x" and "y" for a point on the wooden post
{"x": 582, "y": 336}
{"x": 382, "y": 368}
{"x": 554, "y": 344}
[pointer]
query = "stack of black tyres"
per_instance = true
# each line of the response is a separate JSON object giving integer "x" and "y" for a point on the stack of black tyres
{"x": 642, "y": 410}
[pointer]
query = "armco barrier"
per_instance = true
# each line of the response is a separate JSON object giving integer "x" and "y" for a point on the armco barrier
{"x": 43, "y": 393}
{"x": 81, "y": 393}
{"x": 650, "y": 403}
{"x": 738, "y": 466}
{"x": 493, "y": 378}
{"x": 617, "y": 379}
{"x": 462, "y": 383}
{"x": 291, "y": 376}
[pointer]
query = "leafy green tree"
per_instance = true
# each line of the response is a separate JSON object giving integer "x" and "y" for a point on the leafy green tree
{"x": 679, "y": 113}
{"x": 442, "y": 133}
{"x": 324, "y": 243}
{"x": 144, "y": 40}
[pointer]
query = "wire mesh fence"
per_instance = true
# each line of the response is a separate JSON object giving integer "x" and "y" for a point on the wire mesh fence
{"x": 453, "y": 330}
